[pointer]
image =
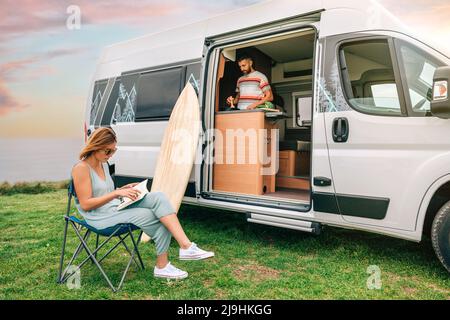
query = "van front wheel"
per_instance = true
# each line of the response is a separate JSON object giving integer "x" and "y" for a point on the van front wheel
{"x": 440, "y": 235}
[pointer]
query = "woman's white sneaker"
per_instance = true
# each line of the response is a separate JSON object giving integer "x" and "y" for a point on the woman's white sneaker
{"x": 195, "y": 253}
{"x": 169, "y": 272}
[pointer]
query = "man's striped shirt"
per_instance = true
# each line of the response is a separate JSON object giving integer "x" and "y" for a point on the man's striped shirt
{"x": 251, "y": 88}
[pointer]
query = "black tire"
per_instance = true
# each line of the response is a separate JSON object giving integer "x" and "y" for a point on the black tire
{"x": 440, "y": 235}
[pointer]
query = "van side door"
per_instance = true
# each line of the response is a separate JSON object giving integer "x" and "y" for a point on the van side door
{"x": 380, "y": 133}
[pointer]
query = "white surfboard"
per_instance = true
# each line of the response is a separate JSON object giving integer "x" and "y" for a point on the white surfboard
{"x": 178, "y": 149}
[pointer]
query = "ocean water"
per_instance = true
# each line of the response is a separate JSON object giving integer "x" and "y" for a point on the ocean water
{"x": 27, "y": 160}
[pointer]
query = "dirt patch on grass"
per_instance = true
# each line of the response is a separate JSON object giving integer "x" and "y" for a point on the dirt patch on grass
{"x": 396, "y": 281}
{"x": 440, "y": 290}
{"x": 220, "y": 294}
{"x": 435, "y": 287}
{"x": 409, "y": 291}
{"x": 255, "y": 272}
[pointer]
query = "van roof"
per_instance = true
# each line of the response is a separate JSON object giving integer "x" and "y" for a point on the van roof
{"x": 185, "y": 43}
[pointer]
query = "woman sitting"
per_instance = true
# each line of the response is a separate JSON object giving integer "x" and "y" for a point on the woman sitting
{"x": 97, "y": 202}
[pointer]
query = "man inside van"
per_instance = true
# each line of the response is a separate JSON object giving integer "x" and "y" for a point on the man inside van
{"x": 253, "y": 89}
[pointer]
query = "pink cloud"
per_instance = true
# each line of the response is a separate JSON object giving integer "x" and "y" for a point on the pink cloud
{"x": 19, "y": 17}
{"x": 8, "y": 70}
{"x": 25, "y": 16}
{"x": 7, "y": 101}
{"x": 432, "y": 16}
{"x": 29, "y": 69}
{"x": 134, "y": 12}
{"x": 423, "y": 13}
{"x": 429, "y": 19}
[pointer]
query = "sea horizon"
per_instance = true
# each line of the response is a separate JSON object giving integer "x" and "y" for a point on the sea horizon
{"x": 38, "y": 159}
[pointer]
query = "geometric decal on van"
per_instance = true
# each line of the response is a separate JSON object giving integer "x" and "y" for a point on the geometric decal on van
{"x": 326, "y": 101}
{"x": 331, "y": 96}
{"x": 124, "y": 110}
{"x": 193, "y": 82}
{"x": 95, "y": 106}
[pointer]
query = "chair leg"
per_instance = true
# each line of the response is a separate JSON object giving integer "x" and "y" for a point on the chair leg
{"x": 91, "y": 255}
{"x": 136, "y": 249}
{"x": 96, "y": 246}
{"x": 76, "y": 253}
{"x": 80, "y": 247}
{"x": 126, "y": 271}
{"x": 112, "y": 249}
{"x": 122, "y": 240}
{"x": 61, "y": 260}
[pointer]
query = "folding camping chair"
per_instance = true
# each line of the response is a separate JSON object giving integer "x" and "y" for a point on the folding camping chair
{"x": 121, "y": 231}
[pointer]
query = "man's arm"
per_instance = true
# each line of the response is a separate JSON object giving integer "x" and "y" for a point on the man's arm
{"x": 235, "y": 100}
{"x": 268, "y": 96}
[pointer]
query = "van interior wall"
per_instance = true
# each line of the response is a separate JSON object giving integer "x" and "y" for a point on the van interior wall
{"x": 227, "y": 84}
{"x": 283, "y": 94}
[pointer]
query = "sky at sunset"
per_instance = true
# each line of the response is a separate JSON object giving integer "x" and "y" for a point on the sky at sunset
{"x": 45, "y": 68}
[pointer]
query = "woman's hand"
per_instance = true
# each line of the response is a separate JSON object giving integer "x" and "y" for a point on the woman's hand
{"x": 128, "y": 192}
{"x": 130, "y": 185}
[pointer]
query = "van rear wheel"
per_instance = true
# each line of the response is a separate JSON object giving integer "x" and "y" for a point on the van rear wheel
{"x": 440, "y": 235}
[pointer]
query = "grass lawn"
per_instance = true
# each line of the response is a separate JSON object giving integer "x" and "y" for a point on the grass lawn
{"x": 252, "y": 261}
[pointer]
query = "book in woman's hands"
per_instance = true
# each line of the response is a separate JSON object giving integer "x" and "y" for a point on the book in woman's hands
{"x": 142, "y": 187}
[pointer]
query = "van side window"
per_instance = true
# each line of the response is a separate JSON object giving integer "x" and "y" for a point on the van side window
{"x": 418, "y": 70}
{"x": 157, "y": 93}
{"x": 368, "y": 77}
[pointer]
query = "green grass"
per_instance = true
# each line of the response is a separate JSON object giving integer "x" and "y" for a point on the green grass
{"x": 252, "y": 261}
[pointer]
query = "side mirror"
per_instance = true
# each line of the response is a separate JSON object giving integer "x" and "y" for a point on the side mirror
{"x": 440, "y": 105}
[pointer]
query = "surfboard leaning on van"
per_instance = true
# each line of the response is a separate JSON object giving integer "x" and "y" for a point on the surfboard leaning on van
{"x": 360, "y": 140}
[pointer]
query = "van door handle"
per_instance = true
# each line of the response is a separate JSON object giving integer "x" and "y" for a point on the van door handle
{"x": 322, "y": 181}
{"x": 340, "y": 130}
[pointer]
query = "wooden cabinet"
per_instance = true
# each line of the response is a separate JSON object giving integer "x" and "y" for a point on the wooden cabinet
{"x": 242, "y": 153}
{"x": 287, "y": 162}
{"x": 293, "y": 164}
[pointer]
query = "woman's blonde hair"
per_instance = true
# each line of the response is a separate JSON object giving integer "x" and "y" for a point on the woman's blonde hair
{"x": 98, "y": 141}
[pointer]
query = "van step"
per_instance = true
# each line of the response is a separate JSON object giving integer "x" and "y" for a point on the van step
{"x": 300, "y": 225}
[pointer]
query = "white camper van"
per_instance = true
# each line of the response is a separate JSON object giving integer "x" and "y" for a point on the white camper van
{"x": 361, "y": 132}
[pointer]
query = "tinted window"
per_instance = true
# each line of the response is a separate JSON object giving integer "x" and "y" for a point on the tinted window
{"x": 157, "y": 93}
{"x": 368, "y": 77}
